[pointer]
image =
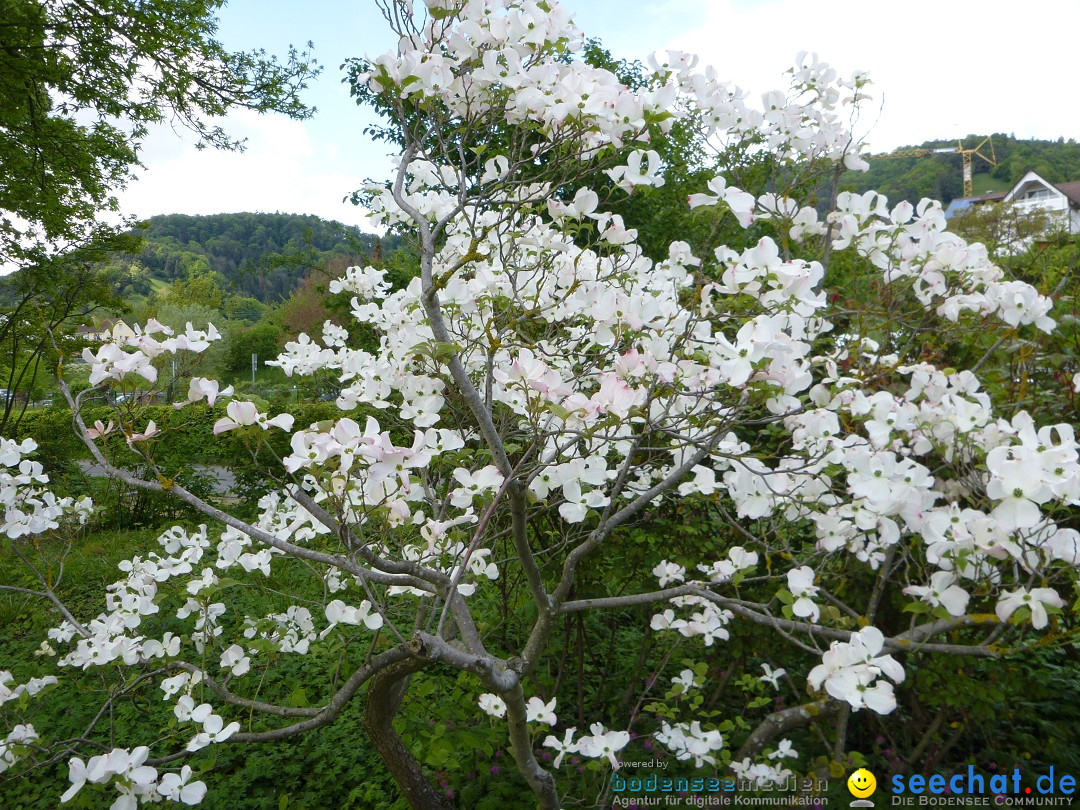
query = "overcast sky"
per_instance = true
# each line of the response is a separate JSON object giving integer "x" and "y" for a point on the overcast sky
{"x": 941, "y": 69}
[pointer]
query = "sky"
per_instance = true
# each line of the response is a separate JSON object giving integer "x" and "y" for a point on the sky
{"x": 940, "y": 69}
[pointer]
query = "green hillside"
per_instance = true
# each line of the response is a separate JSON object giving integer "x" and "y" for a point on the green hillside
{"x": 262, "y": 256}
{"x": 940, "y": 176}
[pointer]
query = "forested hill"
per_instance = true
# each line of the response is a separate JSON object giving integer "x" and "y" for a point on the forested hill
{"x": 941, "y": 176}
{"x": 264, "y": 256}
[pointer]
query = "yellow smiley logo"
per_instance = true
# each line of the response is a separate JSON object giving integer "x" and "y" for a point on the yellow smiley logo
{"x": 862, "y": 783}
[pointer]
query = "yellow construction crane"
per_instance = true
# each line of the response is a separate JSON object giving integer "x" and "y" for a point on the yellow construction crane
{"x": 959, "y": 149}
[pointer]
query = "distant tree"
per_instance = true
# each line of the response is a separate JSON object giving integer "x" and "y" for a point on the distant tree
{"x": 263, "y": 339}
{"x": 177, "y": 369}
{"x": 306, "y": 309}
{"x": 244, "y": 308}
{"x": 53, "y": 295}
{"x": 202, "y": 290}
{"x": 81, "y": 83}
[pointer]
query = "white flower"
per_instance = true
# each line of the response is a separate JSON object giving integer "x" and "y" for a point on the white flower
{"x": 772, "y": 676}
{"x": 800, "y": 583}
{"x": 1034, "y": 600}
{"x": 241, "y": 414}
{"x": 564, "y": 746}
{"x": 186, "y": 710}
{"x": 536, "y": 711}
{"x": 492, "y": 704}
{"x": 686, "y": 680}
{"x": 668, "y": 572}
{"x": 850, "y": 671}
{"x": 603, "y": 744}
{"x": 177, "y": 787}
{"x": 214, "y": 731}
{"x": 235, "y": 660}
{"x": 784, "y": 750}
{"x": 202, "y": 388}
{"x": 337, "y": 612}
{"x": 487, "y": 479}
{"x": 1017, "y": 481}
{"x": 690, "y": 741}
{"x": 942, "y": 590}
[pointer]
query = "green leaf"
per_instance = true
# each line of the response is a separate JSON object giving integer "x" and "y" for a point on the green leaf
{"x": 298, "y": 699}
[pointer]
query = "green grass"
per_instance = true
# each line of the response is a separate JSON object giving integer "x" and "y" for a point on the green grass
{"x": 329, "y": 767}
{"x": 987, "y": 184}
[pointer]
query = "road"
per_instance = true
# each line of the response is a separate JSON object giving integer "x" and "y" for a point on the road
{"x": 223, "y": 479}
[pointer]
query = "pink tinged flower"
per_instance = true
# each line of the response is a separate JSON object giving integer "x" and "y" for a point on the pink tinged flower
{"x": 615, "y": 396}
{"x": 151, "y": 431}
{"x": 1034, "y": 600}
{"x": 99, "y": 430}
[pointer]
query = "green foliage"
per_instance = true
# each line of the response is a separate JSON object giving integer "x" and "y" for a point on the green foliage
{"x": 940, "y": 177}
{"x": 263, "y": 339}
{"x": 256, "y": 256}
{"x": 81, "y": 82}
{"x": 330, "y": 767}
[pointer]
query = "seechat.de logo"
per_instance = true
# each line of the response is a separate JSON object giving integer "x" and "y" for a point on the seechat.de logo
{"x": 862, "y": 785}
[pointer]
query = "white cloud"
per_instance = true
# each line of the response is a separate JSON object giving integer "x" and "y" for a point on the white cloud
{"x": 940, "y": 69}
{"x": 281, "y": 169}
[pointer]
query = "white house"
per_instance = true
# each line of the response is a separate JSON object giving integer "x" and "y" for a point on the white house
{"x": 1061, "y": 202}
{"x": 108, "y": 329}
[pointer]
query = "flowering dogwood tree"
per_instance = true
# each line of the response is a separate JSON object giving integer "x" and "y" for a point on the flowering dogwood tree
{"x": 541, "y": 386}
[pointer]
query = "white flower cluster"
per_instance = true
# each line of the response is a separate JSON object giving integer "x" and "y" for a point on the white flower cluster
{"x": 31, "y": 688}
{"x": 809, "y": 120}
{"x": 912, "y": 243}
{"x": 599, "y": 744}
{"x": 28, "y": 507}
{"x": 13, "y": 746}
{"x": 129, "y": 600}
{"x": 851, "y": 671}
{"x": 113, "y": 361}
{"x": 213, "y": 730}
{"x": 492, "y": 49}
{"x": 136, "y": 782}
{"x": 761, "y": 774}
{"x": 690, "y": 741}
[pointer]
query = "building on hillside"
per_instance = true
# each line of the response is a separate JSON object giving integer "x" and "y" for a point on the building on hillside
{"x": 1034, "y": 211}
{"x": 961, "y": 205}
{"x": 1061, "y": 203}
{"x": 106, "y": 329}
